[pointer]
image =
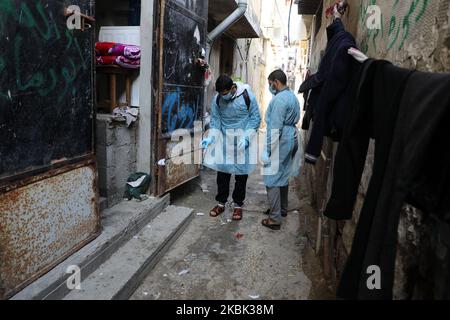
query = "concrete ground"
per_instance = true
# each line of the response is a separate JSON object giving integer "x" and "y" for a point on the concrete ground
{"x": 210, "y": 261}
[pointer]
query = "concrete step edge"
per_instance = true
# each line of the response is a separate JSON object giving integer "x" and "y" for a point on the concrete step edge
{"x": 133, "y": 284}
{"x": 126, "y": 287}
{"x": 52, "y": 286}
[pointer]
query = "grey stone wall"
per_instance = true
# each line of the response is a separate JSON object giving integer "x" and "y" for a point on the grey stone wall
{"x": 414, "y": 34}
{"x": 116, "y": 156}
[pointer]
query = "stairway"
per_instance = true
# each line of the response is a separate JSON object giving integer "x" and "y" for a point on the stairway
{"x": 121, "y": 275}
{"x": 135, "y": 236}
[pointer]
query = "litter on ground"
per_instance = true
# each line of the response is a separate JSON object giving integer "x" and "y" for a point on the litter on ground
{"x": 184, "y": 272}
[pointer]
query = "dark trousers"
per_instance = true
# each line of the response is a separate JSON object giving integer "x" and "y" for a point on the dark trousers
{"x": 278, "y": 200}
{"x": 223, "y": 185}
{"x": 409, "y": 114}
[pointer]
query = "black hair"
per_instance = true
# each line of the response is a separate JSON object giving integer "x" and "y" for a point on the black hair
{"x": 223, "y": 83}
{"x": 278, "y": 75}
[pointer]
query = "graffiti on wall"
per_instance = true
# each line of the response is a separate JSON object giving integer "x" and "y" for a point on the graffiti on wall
{"x": 34, "y": 19}
{"x": 46, "y": 91}
{"x": 400, "y": 23}
{"x": 184, "y": 40}
{"x": 181, "y": 109}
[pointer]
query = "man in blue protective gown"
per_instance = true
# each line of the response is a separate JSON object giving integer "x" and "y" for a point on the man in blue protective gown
{"x": 282, "y": 155}
{"x": 235, "y": 119}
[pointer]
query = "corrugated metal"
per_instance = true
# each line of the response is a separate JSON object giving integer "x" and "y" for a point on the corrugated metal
{"x": 308, "y": 7}
{"x": 41, "y": 224}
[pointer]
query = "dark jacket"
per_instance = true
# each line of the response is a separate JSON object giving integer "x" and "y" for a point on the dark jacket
{"x": 406, "y": 112}
{"x": 328, "y": 100}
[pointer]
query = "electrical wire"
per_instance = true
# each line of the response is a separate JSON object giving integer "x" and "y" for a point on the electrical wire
{"x": 249, "y": 44}
{"x": 289, "y": 23}
{"x": 239, "y": 50}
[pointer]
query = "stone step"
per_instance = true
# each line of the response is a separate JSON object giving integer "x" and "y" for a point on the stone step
{"x": 120, "y": 276}
{"x": 119, "y": 224}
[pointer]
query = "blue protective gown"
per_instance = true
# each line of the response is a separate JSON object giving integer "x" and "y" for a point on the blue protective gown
{"x": 233, "y": 121}
{"x": 284, "y": 146}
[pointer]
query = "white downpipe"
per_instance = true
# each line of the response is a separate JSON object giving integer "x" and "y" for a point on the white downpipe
{"x": 228, "y": 22}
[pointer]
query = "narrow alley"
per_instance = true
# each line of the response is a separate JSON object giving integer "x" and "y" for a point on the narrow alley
{"x": 123, "y": 121}
{"x": 228, "y": 260}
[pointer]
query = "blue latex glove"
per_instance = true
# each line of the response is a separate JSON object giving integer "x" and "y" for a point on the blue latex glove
{"x": 265, "y": 159}
{"x": 206, "y": 143}
{"x": 243, "y": 144}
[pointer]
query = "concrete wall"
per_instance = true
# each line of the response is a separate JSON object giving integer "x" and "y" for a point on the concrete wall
{"x": 414, "y": 34}
{"x": 252, "y": 68}
{"x": 145, "y": 154}
{"x": 116, "y": 156}
{"x": 278, "y": 52}
{"x": 214, "y": 65}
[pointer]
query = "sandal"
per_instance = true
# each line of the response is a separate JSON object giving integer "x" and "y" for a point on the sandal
{"x": 271, "y": 224}
{"x": 267, "y": 212}
{"x": 237, "y": 214}
{"x": 217, "y": 211}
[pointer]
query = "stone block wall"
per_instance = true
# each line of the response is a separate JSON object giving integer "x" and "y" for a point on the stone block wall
{"x": 413, "y": 34}
{"x": 116, "y": 156}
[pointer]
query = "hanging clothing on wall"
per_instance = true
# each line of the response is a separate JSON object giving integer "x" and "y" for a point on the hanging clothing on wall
{"x": 364, "y": 123}
{"x": 311, "y": 89}
{"x": 328, "y": 100}
{"x": 406, "y": 112}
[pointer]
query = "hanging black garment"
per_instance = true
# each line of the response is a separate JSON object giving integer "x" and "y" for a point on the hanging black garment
{"x": 311, "y": 90}
{"x": 407, "y": 112}
{"x": 328, "y": 100}
{"x": 377, "y": 91}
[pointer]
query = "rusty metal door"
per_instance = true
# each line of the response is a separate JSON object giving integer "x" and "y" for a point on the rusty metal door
{"x": 180, "y": 88}
{"x": 48, "y": 192}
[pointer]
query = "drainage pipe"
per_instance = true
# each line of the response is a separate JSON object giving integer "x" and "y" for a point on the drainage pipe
{"x": 228, "y": 22}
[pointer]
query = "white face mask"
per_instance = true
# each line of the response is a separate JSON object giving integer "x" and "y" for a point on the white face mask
{"x": 273, "y": 90}
{"x": 228, "y": 97}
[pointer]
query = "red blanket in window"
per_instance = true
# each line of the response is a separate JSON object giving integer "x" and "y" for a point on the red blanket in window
{"x": 120, "y": 61}
{"x": 102, "y": 48}
{"x": 117, "y": 49}
{"x": 106, "y": 60}
{"x": 124, "y": 62}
